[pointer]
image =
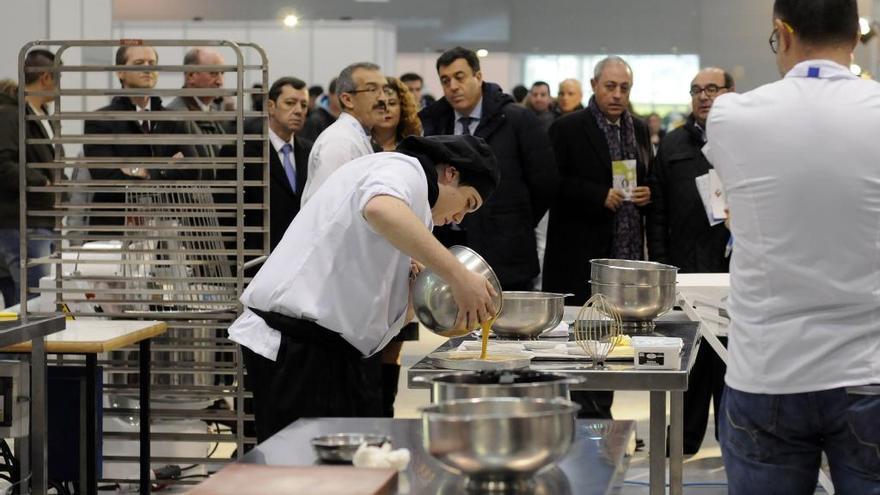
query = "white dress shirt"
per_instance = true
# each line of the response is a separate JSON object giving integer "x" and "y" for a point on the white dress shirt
{"x": 800, "y": 163}
{"x": 337, "y": 145}
{"x": 476, "y": 114}
{"x": 332, "y": 268}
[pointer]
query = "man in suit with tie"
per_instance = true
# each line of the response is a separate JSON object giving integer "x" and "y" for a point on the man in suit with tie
{"x": 287, "y": 105}
{"x": 140, "y": 123}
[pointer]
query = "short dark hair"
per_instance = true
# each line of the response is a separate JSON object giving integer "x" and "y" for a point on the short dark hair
{"x": 411, "y": 77}
{"x": 279, "y": 84}
{"x": 519, "y": 93}
{"x": 315, "y": 91}
{"x": 122, "y": 54}
{"x": 820, "y": 22}
{"x": 541, "y": 83}
{"x": 37, "y": 58}
{"x": 728, "y": 80}
{"x": 331, "y": 88}
{"x": 451, "y": 55}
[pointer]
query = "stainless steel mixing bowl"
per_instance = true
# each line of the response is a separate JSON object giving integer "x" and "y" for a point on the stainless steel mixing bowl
{"x": 340, "y": 447}
{"x": 519, "y": 383}
{"x": 627, "y": 272}
{"x": 526, "y": 315}
{"x": 432, "y": 297}
{"x": 637, "y": 303}
{"x": 498, "y": 441}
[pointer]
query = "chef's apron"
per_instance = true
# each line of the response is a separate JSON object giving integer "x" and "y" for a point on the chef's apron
{"x": 316, "y": 374}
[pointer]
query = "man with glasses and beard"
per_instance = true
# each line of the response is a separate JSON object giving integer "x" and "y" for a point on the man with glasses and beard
{"x": 362, "y": 92}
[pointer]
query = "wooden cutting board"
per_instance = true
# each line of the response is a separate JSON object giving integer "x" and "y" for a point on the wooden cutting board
{"x": 250, "y": 479}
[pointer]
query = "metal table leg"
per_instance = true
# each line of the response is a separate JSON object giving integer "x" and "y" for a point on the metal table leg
{"x": 657, "y": 437}
{"x": 91, "y": 481}
{"x": 676, "y": 441}
{"x": 144, "y": 388}
{"x": 38, "y": 414}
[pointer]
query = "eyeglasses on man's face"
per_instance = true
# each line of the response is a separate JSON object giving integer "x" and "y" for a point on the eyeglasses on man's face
{"x": 373, "y": 90}
{"x": 774, "y": 37}
{"x": 710, "y": 89}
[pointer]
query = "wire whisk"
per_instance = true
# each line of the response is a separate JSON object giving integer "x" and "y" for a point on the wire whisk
{"x": 597, "y": 328}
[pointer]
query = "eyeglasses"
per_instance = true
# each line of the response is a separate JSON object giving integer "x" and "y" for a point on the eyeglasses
{"x": 710, "y": 90}
{"x": 774, "y": 37}
{"x": 373, "y": 91}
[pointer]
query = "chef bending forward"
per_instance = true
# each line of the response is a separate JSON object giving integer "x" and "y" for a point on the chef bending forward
{"x": 336, "y": 289}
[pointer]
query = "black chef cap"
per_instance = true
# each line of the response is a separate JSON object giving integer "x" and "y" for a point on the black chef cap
{"x": 470, "y": 155}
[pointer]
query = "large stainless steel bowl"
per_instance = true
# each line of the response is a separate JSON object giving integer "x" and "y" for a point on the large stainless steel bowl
{"x": 628, "y": 272}
{"x": 526, "y": 315}
{"x": 498, "y": 441}
{"x": 637, "y": 303}
{"x": 432, "y": 297}
{"x": 525, "y": 383}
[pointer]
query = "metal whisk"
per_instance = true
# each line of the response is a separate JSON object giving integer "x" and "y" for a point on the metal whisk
{"x": 597, "y": 328}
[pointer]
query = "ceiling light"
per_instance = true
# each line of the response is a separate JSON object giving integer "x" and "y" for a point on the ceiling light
{"x": 482, "y": 52}
{"x": 291, "y": 20}
{"x": 855, "y": 69}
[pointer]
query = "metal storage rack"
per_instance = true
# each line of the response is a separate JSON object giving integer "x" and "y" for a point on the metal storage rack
{"x": 177, "y": 256}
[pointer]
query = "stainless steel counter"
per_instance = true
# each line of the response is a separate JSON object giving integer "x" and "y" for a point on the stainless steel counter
{"x": 623, "y": 376}
{"x": 594, "y": 466}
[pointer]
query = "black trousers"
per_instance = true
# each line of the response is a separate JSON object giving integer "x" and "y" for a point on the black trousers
{"x": 316, "y": 374}
{"x": 705, "y": 385}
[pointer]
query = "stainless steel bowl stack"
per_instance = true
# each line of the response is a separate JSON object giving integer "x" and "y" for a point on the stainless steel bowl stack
{"x": 526, "y": 315}
{"x": 432, "y": 297}
{"x": 499, "y": 443}
{"x": 639, "y": 291}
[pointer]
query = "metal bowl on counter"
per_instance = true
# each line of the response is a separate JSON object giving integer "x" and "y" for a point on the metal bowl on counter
{"x": 639, "y": 291}
{"x": 526, "y": 315}
{"x": 432, "y": 297}
{"x": 525, "y": 383}
{"x": 340, "y": 448}
{"x": 499, "y": 443}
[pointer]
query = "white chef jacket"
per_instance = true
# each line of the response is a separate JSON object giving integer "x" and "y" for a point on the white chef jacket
{"x": 337, "y": 145}
{"x": 800, "y": 163}
{"x": 331, "y": 267}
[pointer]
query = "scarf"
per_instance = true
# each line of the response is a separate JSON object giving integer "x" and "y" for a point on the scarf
{"x": 626, "y": 236}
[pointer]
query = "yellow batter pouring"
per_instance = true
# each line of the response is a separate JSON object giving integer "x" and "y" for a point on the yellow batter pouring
{"x": 486, "y": 325}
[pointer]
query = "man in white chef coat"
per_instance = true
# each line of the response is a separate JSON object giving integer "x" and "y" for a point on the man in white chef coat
{"x": 800, "y": 163}
{"x": 335, "y": 290}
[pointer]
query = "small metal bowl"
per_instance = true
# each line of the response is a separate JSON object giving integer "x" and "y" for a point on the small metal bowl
{"x": 340, "y": 447}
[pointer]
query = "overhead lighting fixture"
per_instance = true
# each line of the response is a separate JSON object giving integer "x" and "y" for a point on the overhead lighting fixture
{"x": 867, "y": 29}
{"x": 855, "y": 69}
{"x": 290, "y": 20}
{"x": 482, "y": 52}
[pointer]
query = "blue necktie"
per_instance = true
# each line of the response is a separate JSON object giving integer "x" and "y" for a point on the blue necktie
{"x": 286, "y": 150}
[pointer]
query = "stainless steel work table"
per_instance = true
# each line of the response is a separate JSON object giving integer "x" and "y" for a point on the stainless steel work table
{"x": 623, "y": 376}
{"x": 595, "y": 464}
{"x": 34, "y": 331}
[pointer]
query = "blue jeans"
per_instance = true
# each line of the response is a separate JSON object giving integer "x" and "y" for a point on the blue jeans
{"x": 10, "y": 258}
{"x": 772, "y": 444}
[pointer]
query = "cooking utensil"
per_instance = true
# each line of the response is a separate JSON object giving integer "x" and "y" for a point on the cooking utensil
{"x": 470, "y": 360}
{"x": 637, "y": 306}
{"x": 525, "y": 383}
{"x": 432, "y": 297}
{"x": 499, "y": 443}
{"x": 629, "y": 272}
{"x": 526, "y": 315}
{"x": 340, "y": 447}
{"x": 597, "y": 328}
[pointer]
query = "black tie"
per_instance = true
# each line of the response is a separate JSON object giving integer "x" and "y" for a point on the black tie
{"x": 466, "y": 125}
{"x": 145, "y": 125}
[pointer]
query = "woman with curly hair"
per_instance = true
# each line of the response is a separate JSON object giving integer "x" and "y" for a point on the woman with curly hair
{"x": 401, "y": 117}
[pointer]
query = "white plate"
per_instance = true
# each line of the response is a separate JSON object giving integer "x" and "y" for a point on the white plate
{"x": 540, "y": 346}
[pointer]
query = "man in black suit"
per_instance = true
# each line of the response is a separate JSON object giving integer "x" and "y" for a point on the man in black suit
{"x": 141, "y": 106}
{"x": 597, "y": 215}
{"x": 287, "y": 104}
{"x": 503, "y": 231}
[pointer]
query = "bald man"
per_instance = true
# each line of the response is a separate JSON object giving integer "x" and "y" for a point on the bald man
{"x": 680, "y": 233}
{"x": 569, "y": 96}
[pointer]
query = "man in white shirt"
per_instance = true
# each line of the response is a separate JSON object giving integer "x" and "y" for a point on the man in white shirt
{"x": 362, "y": 92}
{"x": 800, "y": 164}
{"x": 335, "y": 291}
